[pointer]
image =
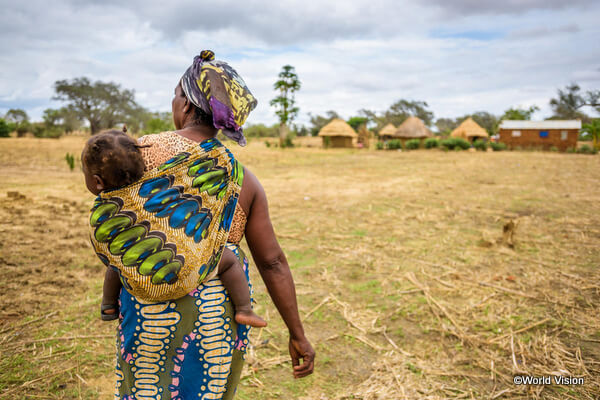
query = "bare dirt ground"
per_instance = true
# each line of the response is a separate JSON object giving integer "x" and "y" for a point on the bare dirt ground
{"x": 408, "y": 282}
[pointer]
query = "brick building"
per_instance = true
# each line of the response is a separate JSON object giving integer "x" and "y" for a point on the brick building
{"x": 561, "y": 134}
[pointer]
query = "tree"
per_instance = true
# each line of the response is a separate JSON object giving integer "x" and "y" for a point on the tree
{"x": 402, "y": 109}
{"x": 285, "y": 103}
{"x": 20, "y": 119}
{"x": 593, "y": 129}
{"x": 4, "y": 129}
{"x": 318, "y": 122}
{"x": 158, "y": 122}
{"x": 569, "y": 101}
{"x": 102, "y": 104}
{"x": 356, "y": 122}
{"x": 519, "y": 114}
{"x": 445, "y": 126}
{"x": 63, "y": 119}
{"x": 398, "y": 113}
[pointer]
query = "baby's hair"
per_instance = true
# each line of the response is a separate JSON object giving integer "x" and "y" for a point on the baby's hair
{"x": 115, "y": 157}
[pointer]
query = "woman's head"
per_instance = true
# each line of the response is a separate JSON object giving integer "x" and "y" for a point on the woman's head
{"x": 185, "y": 112}
{"x": 111, "y": 159}
{"x": 210, "y": 92}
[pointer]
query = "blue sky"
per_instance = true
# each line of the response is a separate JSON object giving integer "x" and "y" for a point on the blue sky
{"x": 461, "y": 57}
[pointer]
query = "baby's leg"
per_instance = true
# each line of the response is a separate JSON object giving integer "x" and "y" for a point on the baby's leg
{"x": 233, "y": 278}
{"x": 109, "y": 309}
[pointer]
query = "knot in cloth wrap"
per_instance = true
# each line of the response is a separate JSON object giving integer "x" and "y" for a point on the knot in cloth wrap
{"x": 218, "y": 90}
{"x": 165, "y": 233}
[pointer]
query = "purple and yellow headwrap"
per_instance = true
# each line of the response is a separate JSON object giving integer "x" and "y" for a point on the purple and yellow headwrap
{"x": 217, "y": 89}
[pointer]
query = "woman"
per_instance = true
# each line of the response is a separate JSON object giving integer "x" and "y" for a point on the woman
{"x": 192, "y": 347}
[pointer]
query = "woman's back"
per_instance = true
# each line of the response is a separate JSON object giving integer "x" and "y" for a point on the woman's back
{"x": 165, "y": 145}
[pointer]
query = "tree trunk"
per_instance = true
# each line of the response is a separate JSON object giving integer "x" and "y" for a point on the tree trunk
{"x": 94, "y": 127}
{"x": 283, "y": 133}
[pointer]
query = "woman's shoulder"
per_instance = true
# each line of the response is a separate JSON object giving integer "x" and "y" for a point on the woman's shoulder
{"x": 152, "y": 138}
{"x": 163, "y": 146}
{"x": 251, "y": 190}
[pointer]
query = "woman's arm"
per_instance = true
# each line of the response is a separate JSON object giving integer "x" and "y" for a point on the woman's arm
{"x": 276, "y": 274}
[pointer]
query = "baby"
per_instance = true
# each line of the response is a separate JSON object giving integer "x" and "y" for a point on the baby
{"x": 111, "y": 160}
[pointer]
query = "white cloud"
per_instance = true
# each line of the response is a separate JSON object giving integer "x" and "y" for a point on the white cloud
{"x": 348, "y": 55}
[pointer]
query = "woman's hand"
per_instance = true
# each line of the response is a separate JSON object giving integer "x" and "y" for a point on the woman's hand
{"x": 301, "y": 349}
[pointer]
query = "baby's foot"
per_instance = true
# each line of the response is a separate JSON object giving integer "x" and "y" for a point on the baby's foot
{"x": 249, "y": 318}
{"x": 109, "y": 312}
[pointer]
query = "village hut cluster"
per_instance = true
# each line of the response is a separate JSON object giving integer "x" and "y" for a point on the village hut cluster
{"x": 561, "y": 134}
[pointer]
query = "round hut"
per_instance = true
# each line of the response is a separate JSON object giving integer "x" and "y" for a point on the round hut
{"x": 387, "y": 132}
{"x": 412, "y": 128}
{"x": 337, "y": 133}
{"x": 470, "y": 131}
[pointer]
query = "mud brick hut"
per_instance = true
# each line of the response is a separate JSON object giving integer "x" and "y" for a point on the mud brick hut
{"x": 387, "y": 132}
{"x": 338, "y": 133}
{"x": 412, "y": 128}
{"x": 470, "y": 130}
{"x": 561, "y": 134}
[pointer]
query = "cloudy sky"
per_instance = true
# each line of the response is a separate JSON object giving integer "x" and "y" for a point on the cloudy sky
{"x": 459, "y": 56}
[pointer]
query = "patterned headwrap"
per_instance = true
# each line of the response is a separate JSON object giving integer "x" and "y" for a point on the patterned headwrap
{"x": 217, "y": 89}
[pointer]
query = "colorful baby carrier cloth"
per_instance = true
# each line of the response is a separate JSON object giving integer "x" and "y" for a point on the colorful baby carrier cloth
{"x": 165, "y": 233}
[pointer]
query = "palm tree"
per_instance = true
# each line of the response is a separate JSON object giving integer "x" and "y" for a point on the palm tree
{"x": 287, "y": 85}
{"x": 593, "y": 128}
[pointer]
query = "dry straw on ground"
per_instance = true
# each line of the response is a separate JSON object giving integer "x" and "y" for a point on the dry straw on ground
{"x": 409, "y": 285}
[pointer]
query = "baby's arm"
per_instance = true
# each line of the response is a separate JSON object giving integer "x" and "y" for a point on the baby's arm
{"x": 109, "y": 309}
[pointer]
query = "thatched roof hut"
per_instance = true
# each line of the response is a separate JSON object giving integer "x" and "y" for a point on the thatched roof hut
{"x": 412, "y": 128}
{"x": 339, "y": 134}
{"x": 387, "y": 131}
{"x": 469, "y": 130}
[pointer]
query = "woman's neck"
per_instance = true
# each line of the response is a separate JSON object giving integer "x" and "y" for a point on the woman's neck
{"x": 197, "y": 132}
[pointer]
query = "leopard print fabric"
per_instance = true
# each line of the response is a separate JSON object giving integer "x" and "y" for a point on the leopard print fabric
{"x": 167, "y": 144}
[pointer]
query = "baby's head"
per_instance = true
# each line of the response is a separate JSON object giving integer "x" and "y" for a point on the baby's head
{"x": 111, "y": 159}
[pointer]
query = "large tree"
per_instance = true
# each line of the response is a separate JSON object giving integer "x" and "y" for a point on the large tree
{"x": 318, "y": 121}
{"x": 102, "y": 104}
{"x": 19, "y": 119}
{"x": 519, "y": 114}
{"x": 568, "y": 103}
{"x": 399, "y": 112}
{"x": 445, "y": 125}
{"x": 285, "y": 103}
{"x": 357, "y": 122}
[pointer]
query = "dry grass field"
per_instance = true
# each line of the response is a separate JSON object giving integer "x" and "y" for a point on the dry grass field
{"x": 408, "y": 287}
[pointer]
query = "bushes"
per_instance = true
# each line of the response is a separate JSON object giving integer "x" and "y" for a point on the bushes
{"x": 498, "y": 146}
{"x": 40, "y": 130}
{"x": 480, "y": 145}
{"x": 431, "y": 143}
{"x": 379, "y": 145}
{"x": 394, "y": 144}
{"x": 455, "y": 144}
{"x": 287, "y": 142}
{"x": 413, "y": 144}
{"x": 70, "y": 159}
{"x": 586, "y": 149}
